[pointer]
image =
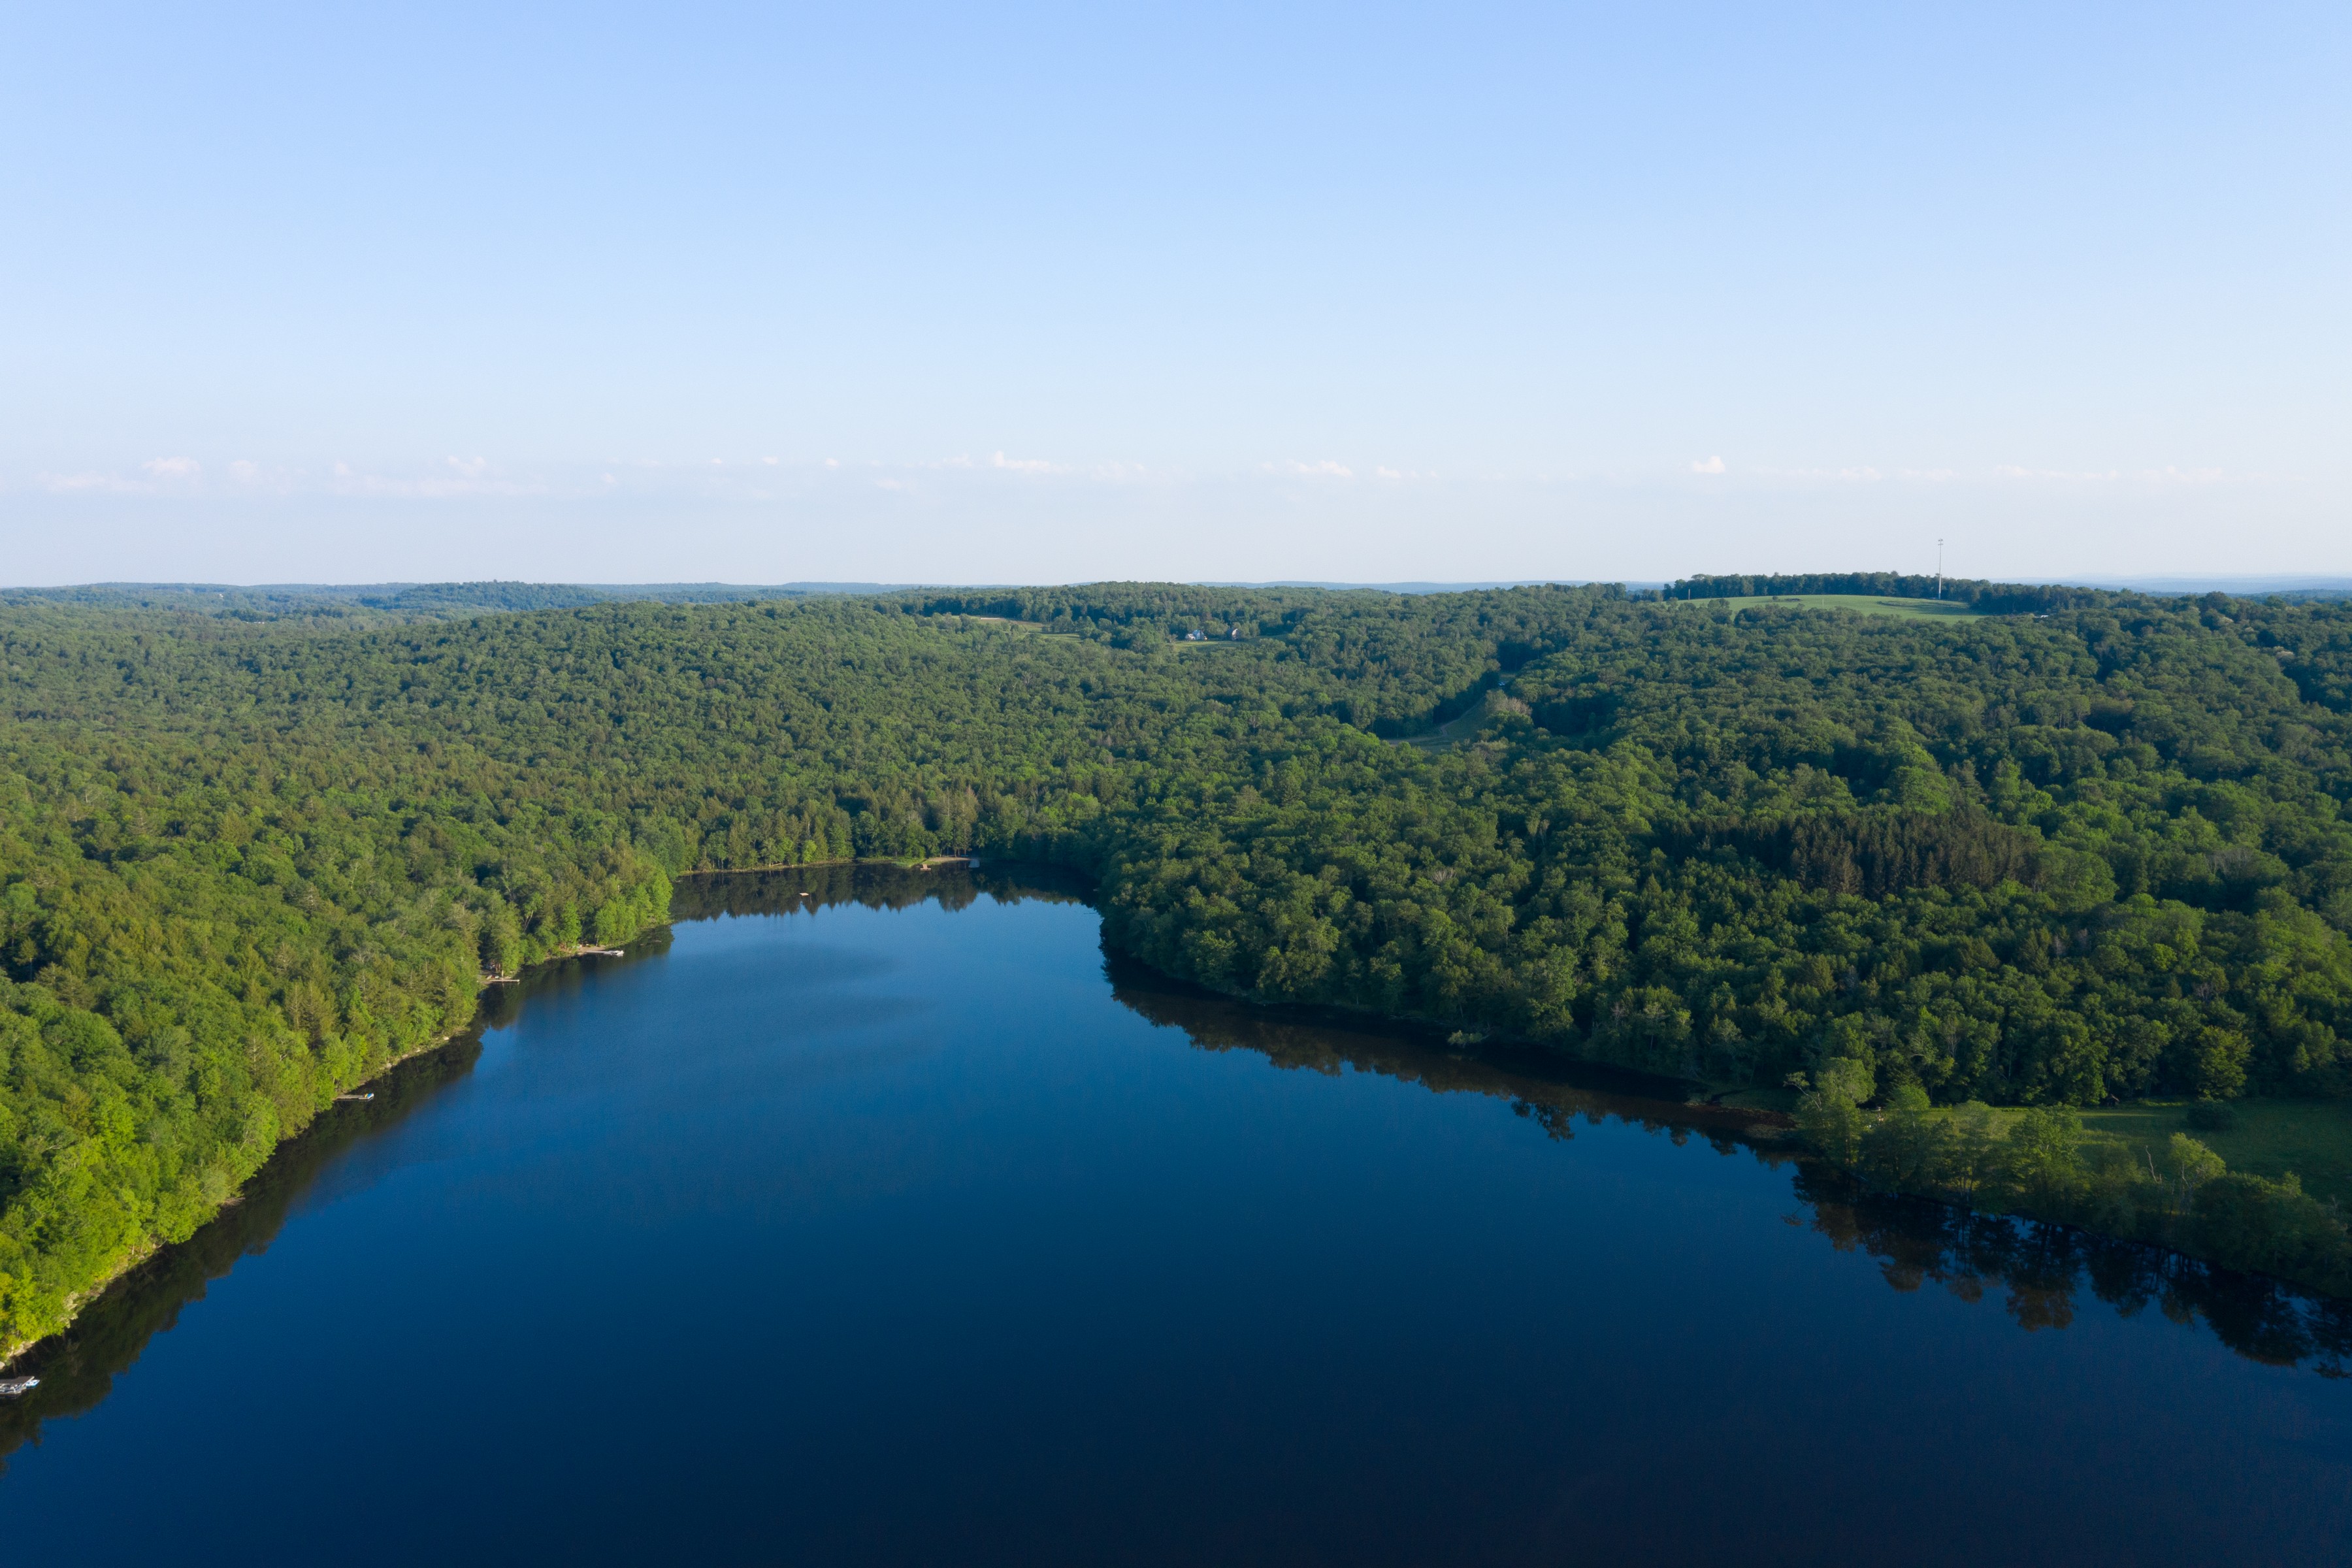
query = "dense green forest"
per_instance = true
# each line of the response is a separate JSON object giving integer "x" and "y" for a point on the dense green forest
{"x": 2082, "y": 846}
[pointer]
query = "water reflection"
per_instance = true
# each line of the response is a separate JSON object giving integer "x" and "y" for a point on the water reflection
{"x": 2046, "y": 1269}
{"x": 954, "y": 884}
{"x": 78, "y": 1367}
{"x": 2043, "y": 1271}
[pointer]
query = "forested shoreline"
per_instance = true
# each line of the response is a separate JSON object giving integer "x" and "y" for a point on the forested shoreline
{"x": 2086, "y": 846}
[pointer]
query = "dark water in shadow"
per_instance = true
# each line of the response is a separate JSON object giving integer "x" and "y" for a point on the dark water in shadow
{"x": 894, "y": 1224}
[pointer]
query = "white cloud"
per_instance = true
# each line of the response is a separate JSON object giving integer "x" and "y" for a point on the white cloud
{"x": 1022, "y": 465}
{"x": 258, "y": 479}
{"x": 473, "y": 479}
{"x": 161, "y": 475}
{"x": 1326, "y": 470}
{"x": 67, "y": 484}
{"x": 1711, "y": 466}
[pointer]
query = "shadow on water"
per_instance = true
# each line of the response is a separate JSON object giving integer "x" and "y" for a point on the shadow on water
{"x": 78, "y": 1367}
{"x": 2043, "y": 1271}
{"x": 873, "y": 885}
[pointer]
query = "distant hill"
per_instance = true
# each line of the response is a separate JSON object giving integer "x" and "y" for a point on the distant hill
{"x": 434, "y": 601}
{"x": 2039, "y": 596}
{"x": 2284, "y": 587}
{"x": 412, "y": 599}
{"x": 1479, "y": 586}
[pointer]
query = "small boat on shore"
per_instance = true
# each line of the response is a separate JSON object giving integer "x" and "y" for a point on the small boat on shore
{"x": 12, "y": 1386}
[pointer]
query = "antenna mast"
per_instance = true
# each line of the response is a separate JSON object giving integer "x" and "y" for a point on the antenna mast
{"x": 1939, "y": 568}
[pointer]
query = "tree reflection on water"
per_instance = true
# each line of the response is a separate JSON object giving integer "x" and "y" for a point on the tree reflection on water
{"x": 2043, "y": 1271}
{"x": 78, "y": 1367}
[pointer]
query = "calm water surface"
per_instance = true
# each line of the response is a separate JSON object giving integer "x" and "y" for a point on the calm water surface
{"x": 894, "y": 1225}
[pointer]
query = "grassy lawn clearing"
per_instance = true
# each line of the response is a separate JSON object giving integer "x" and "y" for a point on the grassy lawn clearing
{"x": 2268, "y": 1138}
{"x": 1861, "y": 603}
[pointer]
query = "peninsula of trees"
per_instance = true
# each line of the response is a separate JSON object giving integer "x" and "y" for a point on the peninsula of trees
{"x": 2044, "y": 849}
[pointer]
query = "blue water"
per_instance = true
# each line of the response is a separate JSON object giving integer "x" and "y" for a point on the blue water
{"x": 861, "y": 1234}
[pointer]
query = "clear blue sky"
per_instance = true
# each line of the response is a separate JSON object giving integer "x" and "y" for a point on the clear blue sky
{"x": 325, "y": 293}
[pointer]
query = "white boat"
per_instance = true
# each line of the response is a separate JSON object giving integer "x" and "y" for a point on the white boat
{"x": 12, "y": 1386}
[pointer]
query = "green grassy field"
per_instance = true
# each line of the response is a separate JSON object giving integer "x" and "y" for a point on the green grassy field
{"x": 1448, "y": 733}
{"x": 2313, "y": 1138}
{"x": 1861, "y": 603}
{"x": 2267, "y": 1137}
{"x": 1463, "y": 727}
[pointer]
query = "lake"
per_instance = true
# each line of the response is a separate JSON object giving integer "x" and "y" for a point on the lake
{"x": 899, "y": 1222}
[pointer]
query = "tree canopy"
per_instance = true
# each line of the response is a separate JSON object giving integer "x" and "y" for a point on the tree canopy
{"x": 2084, "y": 844}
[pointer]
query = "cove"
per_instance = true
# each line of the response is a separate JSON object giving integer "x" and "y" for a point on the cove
{"x": 899, "y": 1222}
